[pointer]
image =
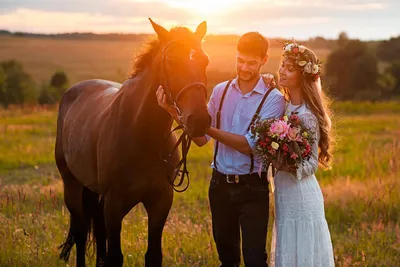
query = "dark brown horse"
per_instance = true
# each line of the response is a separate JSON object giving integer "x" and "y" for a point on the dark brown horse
{"x": 109, "y": 138}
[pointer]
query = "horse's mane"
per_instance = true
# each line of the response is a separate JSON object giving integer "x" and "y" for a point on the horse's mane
{"x": 149, "y": 50}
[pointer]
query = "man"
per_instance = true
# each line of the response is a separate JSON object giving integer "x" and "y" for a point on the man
{"x": 239, "y": 196}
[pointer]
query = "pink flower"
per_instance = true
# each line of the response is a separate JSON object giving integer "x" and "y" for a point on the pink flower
{"x": 294, "y": 134}
{"x": 280, "y": 128}
{"x": 294, "y": 156}
{"x": 285, "y": 147}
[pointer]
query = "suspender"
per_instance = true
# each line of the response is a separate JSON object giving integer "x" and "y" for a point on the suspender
{"x": 219, "y": 120}
{"x": 248, "y": 128}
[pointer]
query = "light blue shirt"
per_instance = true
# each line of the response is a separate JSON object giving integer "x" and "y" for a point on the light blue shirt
{"x": 236, "y": 114}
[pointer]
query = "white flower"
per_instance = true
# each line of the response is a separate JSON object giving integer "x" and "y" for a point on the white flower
{"x": 302, "y": 48}
{"x": 275, "y": 145}
{"x": 315, "y": 69}
{"x": 308, "y": 67}
{"x": 302, "y": 63}
{"x": 288, "y": 47}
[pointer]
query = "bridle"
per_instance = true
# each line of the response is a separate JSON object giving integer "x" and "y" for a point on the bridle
{"x": 166, "y": 85}
{"x": 184, "y": 139}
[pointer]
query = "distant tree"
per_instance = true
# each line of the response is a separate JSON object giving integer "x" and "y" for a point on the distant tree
{"x": 386, "y": 82}
{"x": 343, "y": 39}
{"x": 352, "y": 71}
{"x": 3, "y": 78}
{"x": 45, "y": 96}
{"x": 394, "y": 69}
{"x": 59, "y": 81}
{"x": 389, "y": 50}
{"x": 19, "y": 85}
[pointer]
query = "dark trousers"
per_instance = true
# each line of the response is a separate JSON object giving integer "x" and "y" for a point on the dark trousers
{"x": 236, "y": 207}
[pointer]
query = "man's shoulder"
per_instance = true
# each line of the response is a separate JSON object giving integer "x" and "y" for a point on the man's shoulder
{"x": 219, "y": 89}
{"x": 222, "y": 85}
{"x": 275, "y": 92}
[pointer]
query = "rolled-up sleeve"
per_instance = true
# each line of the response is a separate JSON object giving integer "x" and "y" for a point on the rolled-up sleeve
{"x": 274, "y": 107}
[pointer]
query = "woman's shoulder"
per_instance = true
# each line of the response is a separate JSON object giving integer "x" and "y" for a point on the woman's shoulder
{"x": 308, "y": 117}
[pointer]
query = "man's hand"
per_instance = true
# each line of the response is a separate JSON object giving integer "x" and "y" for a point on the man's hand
{"x": 162, "y": 101}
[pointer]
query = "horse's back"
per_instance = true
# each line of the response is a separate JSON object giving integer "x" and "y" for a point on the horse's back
{"x": 81, "y": 110}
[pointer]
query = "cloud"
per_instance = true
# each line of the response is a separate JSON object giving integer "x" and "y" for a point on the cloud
{"x": 57, "y": 22}
{"x": 286, "y": 18}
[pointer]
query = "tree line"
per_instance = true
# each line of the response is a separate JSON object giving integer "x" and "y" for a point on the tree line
{"x": 17, "y": 86}
{"x": 355, "y": 70}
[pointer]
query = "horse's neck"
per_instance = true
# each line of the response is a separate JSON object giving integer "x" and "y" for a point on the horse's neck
{"x": 140, "y": 108}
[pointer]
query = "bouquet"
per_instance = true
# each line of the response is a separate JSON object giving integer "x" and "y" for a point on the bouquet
{"x": 285, "y": 142}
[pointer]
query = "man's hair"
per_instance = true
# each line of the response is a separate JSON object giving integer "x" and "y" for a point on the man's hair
{"x": 253, "y": 43}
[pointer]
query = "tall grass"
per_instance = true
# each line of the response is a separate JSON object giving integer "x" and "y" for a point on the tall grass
{"x": 361, "y": 196}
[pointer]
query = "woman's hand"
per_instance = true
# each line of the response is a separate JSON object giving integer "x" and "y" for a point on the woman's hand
{"x": 281, "y": 167}
{"x": 269, "y": 80}
{"x": 162, "y": 101}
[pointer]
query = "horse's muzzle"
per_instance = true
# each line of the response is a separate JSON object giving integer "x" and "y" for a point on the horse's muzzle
{"x": 197, "y": 125}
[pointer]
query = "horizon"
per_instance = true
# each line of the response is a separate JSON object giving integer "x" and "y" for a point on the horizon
{"x": 208, "y": 34}
{"x": 365, "y": 20}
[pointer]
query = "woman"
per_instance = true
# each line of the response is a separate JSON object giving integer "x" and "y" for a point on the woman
{"x": 301, "y": 236}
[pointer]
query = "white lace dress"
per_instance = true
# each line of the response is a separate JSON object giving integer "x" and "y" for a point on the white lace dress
{"x": 301, "y": 235}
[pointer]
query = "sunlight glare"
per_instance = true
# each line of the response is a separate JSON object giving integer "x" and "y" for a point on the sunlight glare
{"x": 207, "y": 7}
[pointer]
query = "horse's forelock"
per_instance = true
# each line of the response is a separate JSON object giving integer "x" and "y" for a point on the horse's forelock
{"x": 150, "y": 48}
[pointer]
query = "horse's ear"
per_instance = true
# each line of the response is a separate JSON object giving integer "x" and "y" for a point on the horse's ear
{"x": 201, "y": 30}
{"x": 162, "y": 33}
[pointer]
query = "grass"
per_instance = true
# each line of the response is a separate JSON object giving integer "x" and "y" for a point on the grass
{"x": 361, "y": 195}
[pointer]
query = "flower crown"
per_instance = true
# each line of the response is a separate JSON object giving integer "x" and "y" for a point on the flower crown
{"x": 303, "y": 59}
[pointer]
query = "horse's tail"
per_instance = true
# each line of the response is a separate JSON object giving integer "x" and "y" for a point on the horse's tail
{"x": 69, "y": 242}
{"x": 91, "y": 206}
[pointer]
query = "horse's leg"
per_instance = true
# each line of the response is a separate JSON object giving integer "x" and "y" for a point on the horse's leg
{"x": 99, "y": 229}
{"x": 115, "y": 209}
{"x": 157, "y": 207}
{"x": 78, "y": 230}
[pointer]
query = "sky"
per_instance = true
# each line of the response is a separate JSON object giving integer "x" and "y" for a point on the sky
{"x": 299, "y": 19}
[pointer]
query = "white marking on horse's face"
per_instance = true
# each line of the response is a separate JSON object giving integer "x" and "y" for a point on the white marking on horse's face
{"x": 192, "y": 52}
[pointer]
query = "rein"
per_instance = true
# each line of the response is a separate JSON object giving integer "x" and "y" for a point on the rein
{"x": 179, "y": 174}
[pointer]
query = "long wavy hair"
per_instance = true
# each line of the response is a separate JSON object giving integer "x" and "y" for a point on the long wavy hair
{"x": 319, "y": 103}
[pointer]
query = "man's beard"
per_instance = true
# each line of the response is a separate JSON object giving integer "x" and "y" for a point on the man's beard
{"x": 247, "y": 76}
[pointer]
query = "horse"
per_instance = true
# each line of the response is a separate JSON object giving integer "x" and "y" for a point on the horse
{"x": 109, "y": 140}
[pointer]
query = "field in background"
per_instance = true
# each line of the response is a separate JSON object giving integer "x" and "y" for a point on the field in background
{"x": 361, "y": 195}
{"x": 87, "y": 59}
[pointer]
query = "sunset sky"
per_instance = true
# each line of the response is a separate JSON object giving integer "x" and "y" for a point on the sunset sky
{"x": 300, "y": 19}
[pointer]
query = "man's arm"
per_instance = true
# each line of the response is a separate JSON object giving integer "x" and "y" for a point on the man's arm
{"x": 273, "y": 108}
{"x": 235, "y": 141}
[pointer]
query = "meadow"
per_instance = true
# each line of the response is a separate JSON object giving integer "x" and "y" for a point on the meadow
{"x": 361, "y": 190}
{"x": 361, "y": 195}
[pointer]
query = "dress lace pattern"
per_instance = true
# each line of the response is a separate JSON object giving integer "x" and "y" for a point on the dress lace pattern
{"x": 301, "y": 235}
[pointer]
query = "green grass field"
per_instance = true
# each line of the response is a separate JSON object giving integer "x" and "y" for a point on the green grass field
{"x": 361, "y": 195}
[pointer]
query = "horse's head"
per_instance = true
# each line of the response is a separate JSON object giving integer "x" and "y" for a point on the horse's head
{"x": 183, "y": 75}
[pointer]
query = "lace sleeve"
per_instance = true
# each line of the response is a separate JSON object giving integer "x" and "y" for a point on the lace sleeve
{"x": 310, "y": 166}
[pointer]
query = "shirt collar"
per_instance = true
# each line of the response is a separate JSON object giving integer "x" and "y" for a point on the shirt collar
{"x": 259, "y": 88}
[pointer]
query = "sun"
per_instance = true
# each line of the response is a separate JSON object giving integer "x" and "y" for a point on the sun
{"x": 207, "y": 7}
